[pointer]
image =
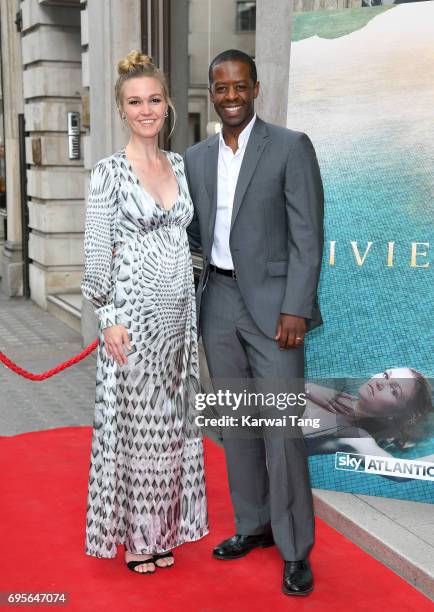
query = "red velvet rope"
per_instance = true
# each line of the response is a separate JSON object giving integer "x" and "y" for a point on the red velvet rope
{"x": 62, "y": 366}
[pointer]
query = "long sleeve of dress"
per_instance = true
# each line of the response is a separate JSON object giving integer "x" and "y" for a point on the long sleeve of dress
{"x": 97, "y": 284}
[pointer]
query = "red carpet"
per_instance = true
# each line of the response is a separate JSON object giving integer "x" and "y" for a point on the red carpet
{"x": 42, "y": 516}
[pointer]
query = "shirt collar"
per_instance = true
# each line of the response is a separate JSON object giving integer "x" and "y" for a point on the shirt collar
{"x": 244, "y": 135}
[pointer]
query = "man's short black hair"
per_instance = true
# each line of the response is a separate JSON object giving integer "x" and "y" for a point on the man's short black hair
{"x": 234, "y": 55}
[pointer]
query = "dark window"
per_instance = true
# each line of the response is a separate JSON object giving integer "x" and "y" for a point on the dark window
{"x": 193, "y": 128}
{"x": 246, "y": 16}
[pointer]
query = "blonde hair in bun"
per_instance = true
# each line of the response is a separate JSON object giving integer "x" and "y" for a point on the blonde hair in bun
{"x": 133, "y": 59}
{"x": 137, "y": 64}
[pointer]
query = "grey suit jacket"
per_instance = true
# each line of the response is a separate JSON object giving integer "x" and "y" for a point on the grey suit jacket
{"x": 276, "y": 238}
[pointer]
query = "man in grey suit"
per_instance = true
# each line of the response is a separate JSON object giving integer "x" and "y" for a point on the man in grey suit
{"x": 258, "y": 200}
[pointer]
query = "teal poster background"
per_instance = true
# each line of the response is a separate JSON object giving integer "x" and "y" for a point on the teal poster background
{"x": 362, "y": 87}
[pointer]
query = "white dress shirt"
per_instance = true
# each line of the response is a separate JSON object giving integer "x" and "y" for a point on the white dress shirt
{"x": 229, "y": 164}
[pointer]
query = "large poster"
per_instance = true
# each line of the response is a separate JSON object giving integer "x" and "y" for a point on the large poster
{"x": 362, "y": 87}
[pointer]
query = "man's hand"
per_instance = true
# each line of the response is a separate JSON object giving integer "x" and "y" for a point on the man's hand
{"x": 290, "y": 331}
{"x": 116, "y": 340}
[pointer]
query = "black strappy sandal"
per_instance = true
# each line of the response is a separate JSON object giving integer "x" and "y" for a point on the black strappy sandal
{"x": 165, "y": 555}
{"x": 133, "y": 564}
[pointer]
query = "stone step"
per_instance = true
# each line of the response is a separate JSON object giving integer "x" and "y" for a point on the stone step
{"x": 398, "y": 533}
{"x": 67, "y": 308}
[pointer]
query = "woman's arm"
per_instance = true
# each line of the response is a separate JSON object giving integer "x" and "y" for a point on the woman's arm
{"x": 97, "y": 285}
{"x": 363, "y": 446}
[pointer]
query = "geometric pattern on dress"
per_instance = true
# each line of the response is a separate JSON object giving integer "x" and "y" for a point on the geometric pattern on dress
{"x": 146, "y": 479}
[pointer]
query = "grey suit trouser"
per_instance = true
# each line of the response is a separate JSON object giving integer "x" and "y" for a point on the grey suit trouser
{"x": 268, "y": 473}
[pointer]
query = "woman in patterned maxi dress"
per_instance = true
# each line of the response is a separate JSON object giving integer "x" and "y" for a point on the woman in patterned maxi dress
{"x": 146, "y": 481}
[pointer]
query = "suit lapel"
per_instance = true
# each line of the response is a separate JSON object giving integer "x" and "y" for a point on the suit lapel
{"x": 211, "y": 168}
{"x": 255, "y": 146}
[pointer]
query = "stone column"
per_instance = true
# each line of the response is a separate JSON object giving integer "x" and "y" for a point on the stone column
{"x": 113, "y": 29}
{"x": 52, "y": 87}
{"x": 179, "y": 76}
{"x": 110, "y": 29}
{"x": 273, "y": 43}
{"x": 12, "y": 269}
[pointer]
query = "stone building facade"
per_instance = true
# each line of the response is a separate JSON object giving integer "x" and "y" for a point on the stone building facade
{"x": 321, "y": 5}
{"x": 213, "y": 27}
{"x": 60, "y": 56}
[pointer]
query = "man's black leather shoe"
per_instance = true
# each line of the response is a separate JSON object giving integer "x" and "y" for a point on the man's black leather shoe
{"x": 297, "y": 578}
{"x": 240, "y": 545}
